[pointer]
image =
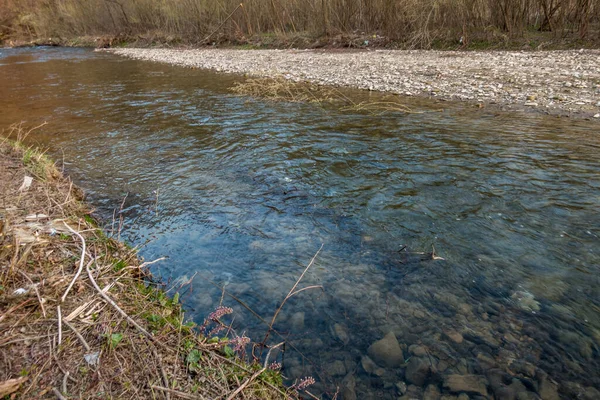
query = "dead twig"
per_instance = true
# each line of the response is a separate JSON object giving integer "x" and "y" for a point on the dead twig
{"x": 13, "y": 308}
{"x": 59, "y": 325}
{"x": 177, "y": 393}
{"x": 76, "y": 332}
{"x": 58, "y": 394}
{"x": 119, "y": 310}
{"x": 37, "y": 293}
{"x": 145, "y": 264}
{"x": 162, "y": 372}
{"x": 266, "y": 364}
{"x": 291, "y": 293}
{"x": 81, "y": 260}
{"x": 246, "y": 383}
{"x": 223, "y": 23}
{"x": 64, "y": 382}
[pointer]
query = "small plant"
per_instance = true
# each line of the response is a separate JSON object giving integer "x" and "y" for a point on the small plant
{"x": 215, "y": 318}
{"x": 239, "y": 345}
{"x": 193, "y": 360}
{"x": 155, "y": 321}
{"x": 27, "y": 156}
{"x": 272, "y": 376}
{"x": 304, "y": 383}
{"x": 119, "y": 265}
{"x": 228, "y": 351}
{"x": 114, "y": 339}
{"x": 89, "y": 219}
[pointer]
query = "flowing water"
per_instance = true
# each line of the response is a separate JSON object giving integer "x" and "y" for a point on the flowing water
{"x": 240, "y": 193}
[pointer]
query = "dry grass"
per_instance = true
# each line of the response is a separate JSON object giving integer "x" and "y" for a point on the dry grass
{"x": 281, "y": 89}
{"x": 406, "y": 23}
{"x": 79, "y": 316}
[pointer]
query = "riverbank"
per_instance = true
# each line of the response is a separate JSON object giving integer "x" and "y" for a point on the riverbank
{"x": 79, "y": 315}
{"x": 564, "y": 83}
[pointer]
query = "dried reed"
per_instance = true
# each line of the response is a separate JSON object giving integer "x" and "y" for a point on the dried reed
{"x": 411, "y": 23}
{"x": 281, "y": 89}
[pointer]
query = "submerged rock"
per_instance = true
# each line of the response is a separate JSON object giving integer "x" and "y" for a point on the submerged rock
{"x": 401, "y": 386}
{"x": 340, "y": 332}
{"x": 473, "y": 384}
{"x": 548, "y": 390}
{"x": 591, "y": 393}
{"x": 417, "y": 350}
{"x": 525, "y": 301}
{"x": 455, "y": 336}
{"x": 432, "y": 393}
{"x": 348, "y": 385}
{"x": 417, "y": 371}
{"x": 413, "y": 392}
{"x": 528, "y": 396}
{"x": 370, "y": 367}
{"x": 387, "y": 352}
{"x": 337, "y": 368}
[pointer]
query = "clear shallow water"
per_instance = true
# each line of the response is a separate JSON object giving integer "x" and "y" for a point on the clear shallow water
{"x": 249, "y": 190}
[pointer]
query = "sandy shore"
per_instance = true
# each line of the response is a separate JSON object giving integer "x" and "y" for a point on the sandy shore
{"x": 558, "y": 82}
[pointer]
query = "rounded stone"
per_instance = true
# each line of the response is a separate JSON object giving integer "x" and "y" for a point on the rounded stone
{"x": 475, "y": 384}
{"x": 417, "y": 371}
{"x": 387, "y": 352}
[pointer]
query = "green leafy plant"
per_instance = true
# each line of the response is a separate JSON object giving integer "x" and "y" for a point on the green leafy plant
{"x": 114, "y": 339}
{"x": 273, "y": 377}
{"x": 119, "y": 265}
{"x": 27, "y": 156}
{"x": 229, "y": 352}
{"x": 193, "y": 360}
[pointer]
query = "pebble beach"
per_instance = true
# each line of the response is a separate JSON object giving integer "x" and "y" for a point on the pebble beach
{"x": 556, "y": 82}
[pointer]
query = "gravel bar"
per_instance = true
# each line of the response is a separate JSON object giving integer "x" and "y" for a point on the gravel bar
{"x": 557, "y": 82}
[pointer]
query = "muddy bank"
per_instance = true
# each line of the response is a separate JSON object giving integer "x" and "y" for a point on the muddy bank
{"x": 557, "y": 82}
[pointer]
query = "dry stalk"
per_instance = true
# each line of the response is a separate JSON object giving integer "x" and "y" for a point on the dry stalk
{"x": 76, "y": 332}
{"x": 223, "y": 23}
{"x": 64, "y": 382}
{"x": 145, "y": 264}
{"x": 58, "y": 394}
{"x": 246, "y": 383}
{"x": 291, "y": 293}
{"x": 119, "y": 310}
{"x": 266, "y": 363}
{"x": 59, "y": 325}
{"x": 177, "y": 393}
{"x": 282, "y": 89}
{"x": 163, "y": 374}
{"x": 37, "y": 293}
{"x": 81, "y": 260}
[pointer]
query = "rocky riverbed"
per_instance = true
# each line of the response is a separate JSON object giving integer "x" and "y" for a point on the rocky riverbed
{"x": 557, "y": 82}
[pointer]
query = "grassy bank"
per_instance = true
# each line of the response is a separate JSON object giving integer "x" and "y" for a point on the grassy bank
{"x": 470, "y": 24}
{"x": 79, "y": 315}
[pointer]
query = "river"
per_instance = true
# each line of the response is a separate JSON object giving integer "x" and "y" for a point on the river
{"x": 240, "y": 193}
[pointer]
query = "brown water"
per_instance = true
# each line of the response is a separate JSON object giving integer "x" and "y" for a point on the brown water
{"x": 249, "y": 190}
